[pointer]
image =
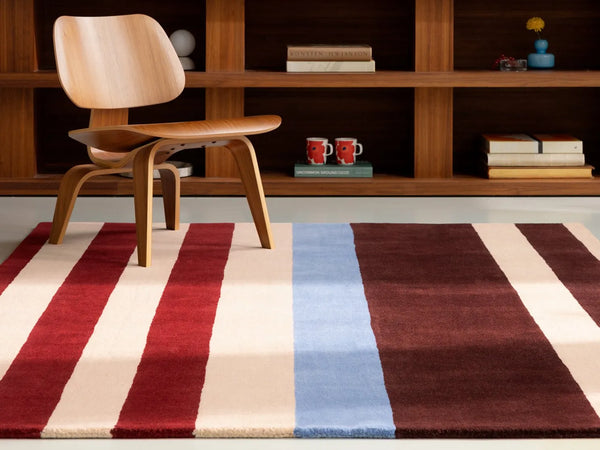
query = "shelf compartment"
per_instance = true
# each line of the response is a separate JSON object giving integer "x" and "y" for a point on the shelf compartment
{"x": 560, "y": 110}
{"x": 182, "y": 14}
{"x": 386, "y": 25}
{"x": 381, "y": 119}
{"x": 484, "y": 30}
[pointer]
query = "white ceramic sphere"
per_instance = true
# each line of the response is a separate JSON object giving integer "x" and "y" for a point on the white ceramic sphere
{"x": 183, "y": 41}
{"x": 187, "y": 63}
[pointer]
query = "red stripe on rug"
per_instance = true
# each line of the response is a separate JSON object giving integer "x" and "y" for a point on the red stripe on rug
{"x": 461, "y": 355}
{"x": 163, "y": 400}
{"x": 33, "y": 384}
{"x": 570, "y": 260}
{"x": 23, "y": 254}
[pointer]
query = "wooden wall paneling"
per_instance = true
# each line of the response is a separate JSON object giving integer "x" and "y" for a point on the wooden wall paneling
{"x": 434, "y": 35}
{"x": 224, "y": 53}
{"x": 434, "y": 52}
{"x": 17, "y": 36}
{"x": 222, "y": 103}
{"x": 433, "y": 132}
{"x": 17, "y": 158}
{"x": 17, "y": 54}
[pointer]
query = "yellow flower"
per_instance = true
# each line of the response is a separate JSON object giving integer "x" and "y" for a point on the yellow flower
{"x": 535, "y": 24}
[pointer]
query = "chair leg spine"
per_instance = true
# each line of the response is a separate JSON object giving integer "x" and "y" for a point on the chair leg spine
{"x": 171, "y": 189}
{"x": 245, "y": 157}
{"x": 143, "y": 168}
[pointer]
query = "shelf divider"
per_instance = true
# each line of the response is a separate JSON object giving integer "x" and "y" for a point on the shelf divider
{"x": 17, "y": 54}
{"x": 434, "y": 46}
{"x": 224, "y": 53}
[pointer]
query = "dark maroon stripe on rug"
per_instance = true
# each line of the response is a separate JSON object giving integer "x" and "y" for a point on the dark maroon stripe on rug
{"x": 461, "y": 355}
{"x": 26, "y": 250}
{"x": 33, "y": 384}
{"x": 163, "y": 400}
{"x": 570, "y": 260}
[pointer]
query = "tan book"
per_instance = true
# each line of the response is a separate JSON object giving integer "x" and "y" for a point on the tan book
{"x": 559, "y": 143}
{"x": 322, "y": 52}
{"x": 510, "y": 143}
{"x": 540, "y": 172}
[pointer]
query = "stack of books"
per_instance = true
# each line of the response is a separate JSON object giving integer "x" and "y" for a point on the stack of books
{"x": 330, "y": 58}
{"x": 534, "y": 156}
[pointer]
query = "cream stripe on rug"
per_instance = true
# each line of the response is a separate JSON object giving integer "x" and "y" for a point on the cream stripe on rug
{"x": 249, "y": 387}
{"x": 93, "y": 397}
{"x": 586, "y": 237}
{"x": 567, "y": 326}
{"x": 25, "y": 299}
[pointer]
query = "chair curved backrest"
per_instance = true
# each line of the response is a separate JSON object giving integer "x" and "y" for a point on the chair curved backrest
{"x": 114, "y": 62}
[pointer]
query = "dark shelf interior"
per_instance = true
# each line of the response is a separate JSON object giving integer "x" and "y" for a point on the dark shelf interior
{"x": 523, "y": 110}
{"x": 484, "y": 30}
{"x": 173, "y": 15}
{"x": 386, "y": 25}
{"x": 381, "y": 119}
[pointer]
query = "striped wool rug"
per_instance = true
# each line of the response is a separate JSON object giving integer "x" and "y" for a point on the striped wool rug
{"x": 344, "y": 330}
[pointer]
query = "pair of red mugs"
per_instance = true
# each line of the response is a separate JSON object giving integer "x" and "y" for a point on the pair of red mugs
{"x": 319, "y": 148}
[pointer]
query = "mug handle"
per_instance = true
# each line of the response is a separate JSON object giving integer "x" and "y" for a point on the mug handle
{"x": 359, "y": 147}
{"x": 330, "y": 148}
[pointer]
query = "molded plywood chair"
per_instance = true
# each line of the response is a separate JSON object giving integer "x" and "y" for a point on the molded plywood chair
{"x": 111, "y": 64}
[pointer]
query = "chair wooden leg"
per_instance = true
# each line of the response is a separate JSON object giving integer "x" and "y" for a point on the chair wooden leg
{"x": 245, "y": 157}
{"x": 169, "y": 177}
{"x": 67, "y": 194}
{"x": 142, "y": 191}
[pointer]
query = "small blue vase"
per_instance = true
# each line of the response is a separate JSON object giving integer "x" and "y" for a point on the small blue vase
{"x": 540, "y": 59}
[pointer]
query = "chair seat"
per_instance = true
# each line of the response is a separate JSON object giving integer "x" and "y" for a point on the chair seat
{"x": 124, "y": 138}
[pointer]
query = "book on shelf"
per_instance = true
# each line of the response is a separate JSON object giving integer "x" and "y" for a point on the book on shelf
{"x": 534, "y": 159}
{"x": 510, "y": 143}
{"x": 325, "y": 52}
{"x": 330, "y": 66}
{"x": 584, "y": 171}
{"x": 360, "y": 169}
{"x": 559, "y": 143}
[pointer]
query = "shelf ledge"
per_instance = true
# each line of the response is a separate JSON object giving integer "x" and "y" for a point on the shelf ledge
{"x": 276, "y": 184}
{"x": 379, "y": 79}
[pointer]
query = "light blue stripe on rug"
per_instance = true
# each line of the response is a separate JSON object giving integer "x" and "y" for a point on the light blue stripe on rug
{"x": 339, "y": 383}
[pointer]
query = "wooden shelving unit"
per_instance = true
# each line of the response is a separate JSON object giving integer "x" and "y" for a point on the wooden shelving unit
{"x": 419, "y": 115}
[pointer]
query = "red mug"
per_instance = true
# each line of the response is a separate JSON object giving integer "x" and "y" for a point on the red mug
{"x": 317, "y": 150}
{"x": 347, "y": 149}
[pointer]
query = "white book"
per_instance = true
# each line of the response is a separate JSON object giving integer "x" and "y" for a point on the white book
{"x": 535, "y": 159}
{"x": 559, "y": 143}
{"x": 331, "y": 66}
{"x": 510, "y": 143}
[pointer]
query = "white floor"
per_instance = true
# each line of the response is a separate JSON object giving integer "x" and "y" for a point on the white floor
{"x": 18, "y": 216}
